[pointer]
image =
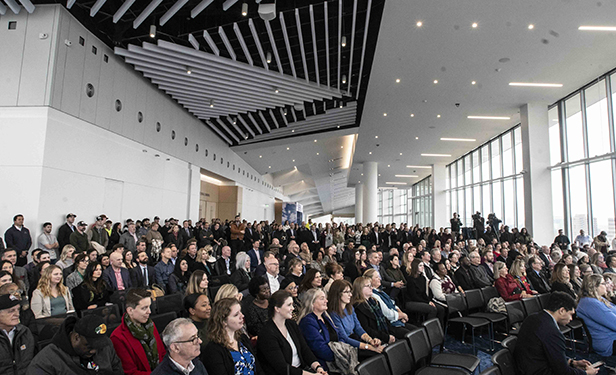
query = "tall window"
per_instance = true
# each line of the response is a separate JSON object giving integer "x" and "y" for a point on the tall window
{"x": 421, "y": 198}
{"x": 583, "y": 159}
{"x": 411, "y": 206}
{"x": 489, "y": 180}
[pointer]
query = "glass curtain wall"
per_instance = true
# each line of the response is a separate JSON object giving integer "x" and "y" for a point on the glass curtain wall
{"x": 411, "y": 206}
{"x": 489, "y": 180}
{"x": 583, "y": 159}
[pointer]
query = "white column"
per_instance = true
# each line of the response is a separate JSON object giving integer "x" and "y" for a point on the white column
{"x": 359, "y": 203}
{"x": 537, "y": 178}
{"x": 371, "y": 192}
{"x": 439, "y": 204}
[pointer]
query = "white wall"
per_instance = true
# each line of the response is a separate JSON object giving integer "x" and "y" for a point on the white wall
{"x": 254, "y": 205}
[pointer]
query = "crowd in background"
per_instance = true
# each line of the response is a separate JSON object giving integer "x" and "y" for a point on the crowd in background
{"x": 261, "y": 297}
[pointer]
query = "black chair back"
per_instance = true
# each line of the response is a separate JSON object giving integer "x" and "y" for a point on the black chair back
{"x": 587, "y": 332}
{"x": 399, "y": 357}
{"x": 489, "y": 292}
{"x": 455, "y": 303}
{"x": 474, "y": 299}
{"x": 169, "y": 303}
{"x": 531, "y": 305}
{"x": 161, "y": 320}
{"x": 434, "y": 332}
{"x": 493, "y": 370}
{"x": 504, "y": 360}
{"x": 518, "y": 306}
{"x": 47, "y": 327}
{"x": 418, "y": 341}
{"x": 544, "y": 298}
{"x": 110, "y": 314}
{"x": 373, "y": 366}
{"x": 509, "y": 343}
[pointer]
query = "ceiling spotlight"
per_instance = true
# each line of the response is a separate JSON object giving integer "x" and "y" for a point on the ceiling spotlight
{"x": 287, "y": 148}
{"x": 343, "y": 43}
{"x": 435, "y": 81}
{"x": 270, "y": 167}
{"x": 244, "y": 9}
{"x": 276, "y": 90}
{"x": 438, "y": 116}
{"x": 285, "y": 112}
{"x": 384, "y": 114}
{"x": 341, "y": 146}
{"x": 267, "y": 12}
{"x": 416, "y": 137}
{"x": 188, "y": 70}
{"x": 234, "y": 122}
{"x": 341, "y": 104}
{"x": 474, "y": 25}
{"x": 376, "y": 136}
{"x": 362, "y": 174}
{"x": 531, "y": 26}
{"x": 295, "y": 166}
{"x": 412, "y": 115}
{"x": 338, "y": 127}
{"x": 398, "y": 80}
{"x": 370, "y": 153}
{"x": 152, "y": 31}
{"x": 473, "y": 82}
{"x": 211, "y": 103}
{"x": 260, "y": 156}
{"x": 315, "y": 141}
{"x": 293, "y": 131}
{"x": 388, "y": 165}
{"x": 293, "y": 160}
{"x": 317, "y": 153}
{"x": 419, "y": 24}
{"x": 400, "y": 154}
{"x": 268, "y": 57}
{"x": 344, "y": 78}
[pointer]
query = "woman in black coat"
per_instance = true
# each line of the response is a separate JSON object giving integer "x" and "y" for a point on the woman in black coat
{"x": 91, "y": 293}
{"x": 419, "y": 295}
{"x": 241, "y": 276}
{"x": 273, "y": 348}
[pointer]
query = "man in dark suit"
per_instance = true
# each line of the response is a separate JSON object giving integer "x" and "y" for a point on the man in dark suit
{"x": 292, "y": 233}
{"x": 250, "y": 235}
{"x": 187, "y": 232}
{"x": 376, "y": 238}
{"x": 64, "y": 232}
{"x": 541, "y": 346}
{"x": 256, "y": 255}
{"x": 225, "y": 266}
{"x": 143, "y": 275}
{"x": 463, "y": 275}
{"x": 115, "y": 276}
{"x": 537, "y": 277}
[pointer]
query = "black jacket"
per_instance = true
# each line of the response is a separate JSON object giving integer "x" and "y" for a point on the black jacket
{"x": 464, "y": 279}
{"x": 166, "y": 367}
{"x": 218, "y": 361}
{"x": 540, "y": 348}
{"x": 220, "y": 267}
{"x": 60, "y": 358}
{"x": 417, "y": 290}
{"x": 64, "y": 235}
{"x": 240, "y": 279}
{"x": 539, "y": 282}
{"x": 560, "y": 287}
{"x": 274, "y": 351}
{"x": 14, "y": 360}
{"x": 368, "y": 322}
{"x": 136, "y": 276}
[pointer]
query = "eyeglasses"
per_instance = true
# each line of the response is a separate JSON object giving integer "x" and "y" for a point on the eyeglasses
{"x": 368, "y": 286}
{"x": 347, "y": 292}
{"x": 195, "y": 341}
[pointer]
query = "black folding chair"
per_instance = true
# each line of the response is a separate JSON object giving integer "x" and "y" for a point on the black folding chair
{"x": 398, "y": 355}
{"x": 436, "y": 337}
{"x": 418, "y": 341}
{"x": 504, "y": 360}
{"x": 161, "y": 320}
{"x": 110, "y": 314}
{"x": 476, "y": 306}
{"x": 373, "y": 366}
{"x": 492, "y": 370}
{"x": 509, "y": 343}
{"x": 457, "y": 305}
{"x": 169, "y": 303}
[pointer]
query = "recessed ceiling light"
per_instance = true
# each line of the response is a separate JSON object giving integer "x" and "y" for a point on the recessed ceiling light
{"x": 315, "y": 140}
{"x": 459, "y": 139}
{"x": 376, "y": 136}
{"x": 435, "y": 81}
{"x": 295, "y": 166}
{"x": 388, "y": 165}
{"x": 317, "y": 153}
{"x": 474, "y": 25}
{"x": 260, "y": 156}
{"x": 396, "y": 183}
{"x": 400, "y": 154}
{"x": 362, "y": 174}
{"x": 488, "y": 117}
{"x": 341, "y": 146}
{"x": 412, "y": 115}
{"x": 287, "y": 148}
{"x": 473, "y": 82}
{"x": 385, "y": 114}
{"x": 438, "y": 116}
{"x": 293, "y": 131}
{"x": 379, "y": 175}
{"x": 419, "y": 166}
{"x": 416, "y": 137}
{"x": 370, "y": 153}
{"x": 270, "y": 167}
{"x": 419, "y": 24}
{"x": 437, "y": 155}
{"x": 398, "y": 80}
{"x": 293, "y": 160}
{"x": 338, "y": 127}
{"x": 531, "y": 26}
{"x": 597, "y": 28}
{"x": 531, "y": 84}
{"x": 407, "y": 175}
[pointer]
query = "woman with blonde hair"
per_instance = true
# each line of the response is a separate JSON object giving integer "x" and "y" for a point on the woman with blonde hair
{"x": 597, "y": 262}
{"x": 599, "y": 315}
{"x": 198, "y": 283}
{"x": 228, "y": 291}
{"x": 202, "y": 262}
{"x": 518, "y": 271}
{"x": 51, "y": 297}
{"x": 66, "y": 257}
{"x": 229, "y": 350}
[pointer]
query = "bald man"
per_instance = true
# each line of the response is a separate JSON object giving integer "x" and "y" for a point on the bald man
{"x": 116, "y": 277}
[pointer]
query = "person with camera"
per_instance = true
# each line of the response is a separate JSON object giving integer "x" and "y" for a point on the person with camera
{"x": 478, "y": 224}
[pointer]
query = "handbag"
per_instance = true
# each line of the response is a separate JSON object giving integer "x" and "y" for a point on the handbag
{"x": 497, "y": 305}
{"x": 156, "y": 291}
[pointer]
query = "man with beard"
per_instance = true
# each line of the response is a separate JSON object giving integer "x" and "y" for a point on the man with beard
{"x": 80, "y": 347}
{"x": 143, "y": 275}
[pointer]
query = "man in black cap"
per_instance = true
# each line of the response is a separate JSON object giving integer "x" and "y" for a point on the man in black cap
{"x": 81, "y": 346}
{"x": 79, "y": 238}
{"x": 64, "y": 232}
{"x": 17, "y": 346}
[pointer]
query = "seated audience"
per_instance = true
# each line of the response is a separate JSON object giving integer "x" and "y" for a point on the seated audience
{"x": 116, "y": 277}
{"x": 541, "y": 347}
{"x": 281, "y": 348}
{"x": 575, "y": 277}
{"x": 143, "y": 275}
{"x": 344, "y": 317}
{"x": 312, "y": 279}
{"x": 352, "y": 270}
{"x": 164, "y": 268}
{"x": 92, "y": 292}
{"x": 198, "y": 308}
{"x": 224, "y": 266}
{"x": 19, "y": 272}
{"x": 198, "y": 283}
{"x": 202, "y": 261}
{"x": 241, "y": 275}
{"x": 393, "y": 313}
{"x": 393, "y": 269}
{"x": 610, "y": 278}
{"x": 17, "y": 346}
{"x": 183, "y": 349}
{"x": 597, "y": 263}
{"x": 334, "y": 272}
{"x": 295, "y": 268}
{"x": 536, "y": 275}
{"x": 7, "y": 266}
{"x": 229, "y": 351}
{"x": 26, "y": 316}
{"x": 507, "y": 286}
{"x": 290, "y": 286}
{"x": 104, "y": 261}
{"x": 127, "y": 260}
{"x": 419, "y": 296}
{"x": 256, "y": 310}
{"x": 66, "y": 257}
{"x": 479, "y": 274}
{"x": 272, "y": 266}
{"x": 441, "y": 284}
{"x": 51, "y": 297}
{"x": 228, "y": 291}
{"x": 6, "y": 278}
{"x": 178, "y": 281}
{"x": 488, "y": 262}
{"x": 463, "y": 277}
{"x": 80, "y": 347}
{"x": 76, "y": 277}
{"x": 518, "y": 271}
{"x": 560, "y": 280}
{"x": 136, "y": 340}
{"x": 599, "y": 315}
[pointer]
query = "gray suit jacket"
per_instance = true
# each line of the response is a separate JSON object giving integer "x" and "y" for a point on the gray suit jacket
{"x": 128, "y": 241}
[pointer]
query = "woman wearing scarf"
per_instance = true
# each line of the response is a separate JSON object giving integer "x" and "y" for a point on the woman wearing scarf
{"x": 136, "y": 340}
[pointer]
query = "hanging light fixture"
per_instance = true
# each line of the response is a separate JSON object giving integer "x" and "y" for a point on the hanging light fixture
{"x": 244, "y": 9}
{"x": 152, "y": 31}
{"x": 268, "y": 57}
{"x": 343, "y": 41}
{"x": 188, "y": 70}
{"x": 344, "y": 78}
{"x": 211, "y": 103}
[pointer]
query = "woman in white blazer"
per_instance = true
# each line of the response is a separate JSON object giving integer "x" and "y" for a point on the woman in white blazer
{"x": 51, "y": 297}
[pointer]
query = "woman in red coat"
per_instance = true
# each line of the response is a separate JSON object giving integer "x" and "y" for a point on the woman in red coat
{"x": 136, "y": 340}
{"x": 508, "y": 287}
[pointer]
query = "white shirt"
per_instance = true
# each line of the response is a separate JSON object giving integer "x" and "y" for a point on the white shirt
{"x": 273, "y": 283}
{"x": 10, "y": 334}
{"x": 187, "y": 370}
{"x": 295, "y": 362}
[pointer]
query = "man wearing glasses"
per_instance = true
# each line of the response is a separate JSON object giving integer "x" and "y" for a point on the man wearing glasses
{"x": 16, "y": 341}
{"x": 183, "y": 347}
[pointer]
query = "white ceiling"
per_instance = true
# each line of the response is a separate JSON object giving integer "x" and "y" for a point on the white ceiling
{"x": 448, "y": 49}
